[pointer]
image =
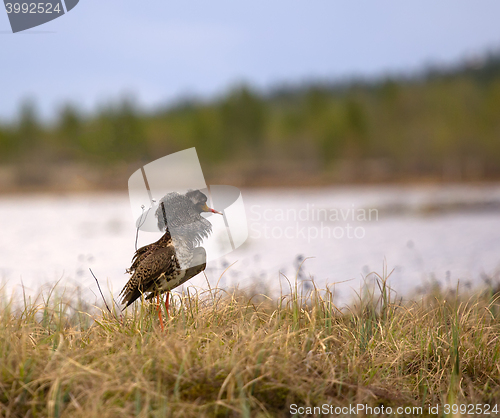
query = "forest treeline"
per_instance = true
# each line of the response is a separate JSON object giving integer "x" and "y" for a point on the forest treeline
{"x": 444, "y": 124}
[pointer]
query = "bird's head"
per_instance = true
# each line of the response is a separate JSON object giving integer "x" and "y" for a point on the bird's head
{"x": 199, "y": 201}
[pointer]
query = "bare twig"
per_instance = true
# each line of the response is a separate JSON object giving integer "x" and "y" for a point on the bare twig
{"x": 100, "y": 291}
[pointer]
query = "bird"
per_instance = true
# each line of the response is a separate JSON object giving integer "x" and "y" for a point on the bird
{"x": 177, "y": 256}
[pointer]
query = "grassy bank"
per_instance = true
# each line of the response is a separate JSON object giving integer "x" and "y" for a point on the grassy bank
{"x": 233, "y": 355}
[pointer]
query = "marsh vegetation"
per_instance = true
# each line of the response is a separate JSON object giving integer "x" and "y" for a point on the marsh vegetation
{"x": 245, "y": 354}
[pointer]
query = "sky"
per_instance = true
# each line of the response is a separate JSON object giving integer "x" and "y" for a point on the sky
{"x": 159, "y": 51}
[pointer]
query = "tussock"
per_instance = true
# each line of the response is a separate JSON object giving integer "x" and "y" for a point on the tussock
{"x": 232, "y": 354}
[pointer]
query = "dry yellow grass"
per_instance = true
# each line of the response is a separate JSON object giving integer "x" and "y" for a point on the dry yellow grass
{"x": 233, "y": 355}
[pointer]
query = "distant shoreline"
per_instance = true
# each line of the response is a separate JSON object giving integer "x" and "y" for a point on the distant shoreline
{"x": 75, "y": 178}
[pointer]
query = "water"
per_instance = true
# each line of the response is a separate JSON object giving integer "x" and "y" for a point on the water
{"x": 335, "y": 235}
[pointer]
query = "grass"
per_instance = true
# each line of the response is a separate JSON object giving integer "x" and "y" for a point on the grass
{"x": 229, "y": 354}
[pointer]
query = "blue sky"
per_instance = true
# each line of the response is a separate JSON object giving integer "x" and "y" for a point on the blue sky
{"x": 161, "y": 50}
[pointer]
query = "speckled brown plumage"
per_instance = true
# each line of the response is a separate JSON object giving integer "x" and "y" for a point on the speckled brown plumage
{"x": 151, "y": 264}
{"x": 174, "y": 258}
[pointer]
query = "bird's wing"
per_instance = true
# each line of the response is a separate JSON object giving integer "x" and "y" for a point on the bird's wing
{"x": 139, "y": 255}
{"x": 198, "y": 264}
{"x": 152, "y": 265}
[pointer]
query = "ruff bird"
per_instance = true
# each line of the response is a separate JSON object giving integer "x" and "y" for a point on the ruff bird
{"x": 177, "y": 256}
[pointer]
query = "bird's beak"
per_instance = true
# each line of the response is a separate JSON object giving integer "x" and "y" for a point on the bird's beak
{"x": 205, "y": 208}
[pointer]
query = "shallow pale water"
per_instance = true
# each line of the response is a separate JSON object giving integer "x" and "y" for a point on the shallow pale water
{"x": 424, "y": 234}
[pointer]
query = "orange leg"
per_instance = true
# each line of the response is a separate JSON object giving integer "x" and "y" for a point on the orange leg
{"x": 159, "y": 311}
{"x": 167, "y": 302}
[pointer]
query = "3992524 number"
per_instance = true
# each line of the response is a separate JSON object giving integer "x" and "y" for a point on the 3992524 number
{"x": 33, "y": 8}
{"x": 471, "y": 409}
